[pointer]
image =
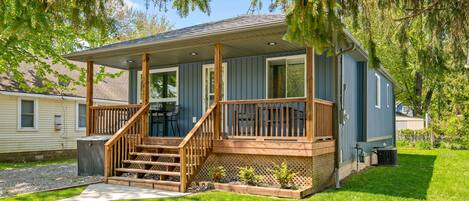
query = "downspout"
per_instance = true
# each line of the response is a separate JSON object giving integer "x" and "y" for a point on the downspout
{"x": 339, "y": 108}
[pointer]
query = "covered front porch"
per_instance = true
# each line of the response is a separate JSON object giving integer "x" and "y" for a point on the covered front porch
{"x": 243, "y": 92}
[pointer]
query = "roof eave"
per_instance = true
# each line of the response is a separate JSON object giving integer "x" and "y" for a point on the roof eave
{"x": 87, "y": 54}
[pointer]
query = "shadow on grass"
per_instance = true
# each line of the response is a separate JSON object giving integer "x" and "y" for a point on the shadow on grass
{"x": 410, "y": 179}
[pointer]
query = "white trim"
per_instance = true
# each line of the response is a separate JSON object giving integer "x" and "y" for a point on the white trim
{"x": 387, "y": 95}
{"x": 378, "y": 91}
{"x": 160, "y": 70}
{"x": 77, "y": 116}
{"x": 298, "y": 56}
{"x": 225, "y": 81}
{"x": 73, "y": 98}
{"x": 36, "y": 115}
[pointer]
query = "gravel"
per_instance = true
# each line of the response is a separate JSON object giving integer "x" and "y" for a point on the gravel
{"x": 27, "y": 180}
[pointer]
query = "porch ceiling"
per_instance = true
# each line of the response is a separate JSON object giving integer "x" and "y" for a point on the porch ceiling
{"x": 235, "y": 44}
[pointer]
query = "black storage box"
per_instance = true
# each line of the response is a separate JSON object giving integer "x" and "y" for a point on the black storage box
{"x": 90, "y": 154}
{"x": 387, "y": 156}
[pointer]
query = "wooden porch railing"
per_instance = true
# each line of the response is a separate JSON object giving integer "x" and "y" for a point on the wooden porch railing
{"x": 108, "y": 119}
{"x": 125, "y": 141}
{"x": 264, "y": 118}
{"x": 196, "y": 147}
{"x": 323, "y": 119}
{"x": 281, "y": 119}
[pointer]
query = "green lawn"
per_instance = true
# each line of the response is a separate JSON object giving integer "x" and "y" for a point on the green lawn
{"x": 9, "y": 166}
{"x": 421, "y": 175}
{"x": 47, "y": 196}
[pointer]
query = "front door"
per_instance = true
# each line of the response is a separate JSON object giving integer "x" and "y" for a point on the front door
{"x": 209, "y": 85}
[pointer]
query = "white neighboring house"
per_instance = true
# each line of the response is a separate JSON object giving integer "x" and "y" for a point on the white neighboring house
{"x": 406, "y": 122}
{"x": 45, "y": 126}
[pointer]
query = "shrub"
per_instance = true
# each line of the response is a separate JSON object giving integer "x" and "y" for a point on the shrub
{"x": 283, "y": 175}
{"x": 423, "y": 145}
{"x": 216, "y": 174}
{"x": 248, "y": 176}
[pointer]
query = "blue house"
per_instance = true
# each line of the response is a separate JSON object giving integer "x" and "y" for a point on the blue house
{"x": 232, "y": 93}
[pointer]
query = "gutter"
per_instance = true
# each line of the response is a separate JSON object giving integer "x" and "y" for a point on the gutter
{"x": 339, "y": 112}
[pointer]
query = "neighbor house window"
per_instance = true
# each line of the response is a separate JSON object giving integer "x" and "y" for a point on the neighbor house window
{"x": 378, "y": 91}
{"x": 27, "y": 110}
{"x": 387, "y": 95}
{"x": 81, "y": 116}
{"x": 163, "y": 85}
{"x": 286, "y": 77}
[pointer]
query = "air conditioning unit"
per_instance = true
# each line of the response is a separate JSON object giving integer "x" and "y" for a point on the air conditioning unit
{"x": 387, "y": 156}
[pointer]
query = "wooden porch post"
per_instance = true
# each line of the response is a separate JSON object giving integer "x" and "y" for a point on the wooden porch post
{"x": 89, "y": 95}
{"x": 145, "y": 89}
{"x": 217, "y": 95}
{"x": 145, "y": 77}
{"x": 310, "y": 107}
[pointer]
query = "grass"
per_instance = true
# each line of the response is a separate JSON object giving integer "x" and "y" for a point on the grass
{"x": 10, "y": 166}
{"x": 421, "y": 175}
{"x": 47, "y": 196}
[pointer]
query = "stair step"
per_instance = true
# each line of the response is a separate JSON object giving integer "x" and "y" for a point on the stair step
{"x": 154, "y": 181}
{"x": 154, "y": 154}
{"x": 157, "y": 146}
{"x": 131, "y": 170}
{"x": 151, "y": 163}
{"x": 145, "y": 183}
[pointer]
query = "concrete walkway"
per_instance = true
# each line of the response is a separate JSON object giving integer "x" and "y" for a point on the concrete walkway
{"x": 118, "y": 192}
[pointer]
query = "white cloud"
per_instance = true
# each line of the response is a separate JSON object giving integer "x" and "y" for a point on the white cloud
{"x": 132, "y": 4}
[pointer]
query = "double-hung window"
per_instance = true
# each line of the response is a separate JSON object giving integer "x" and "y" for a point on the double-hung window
{"x": 27, "y": 114}
{"x": 286, "y": 77}
{"x": 163, "y": 85}
{"x": 81, "y": 116}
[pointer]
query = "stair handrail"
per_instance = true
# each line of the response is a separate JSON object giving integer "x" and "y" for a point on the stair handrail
{"x": 204, "y": 140}
{"x": 126, "y": 145}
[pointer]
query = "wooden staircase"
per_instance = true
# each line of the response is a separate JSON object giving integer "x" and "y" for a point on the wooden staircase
{"x": 132, "y": 159}
{"x": 154, "y": 164}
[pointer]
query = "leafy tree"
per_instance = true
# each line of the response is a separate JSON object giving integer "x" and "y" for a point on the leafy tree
{"x": 40, "y": 32}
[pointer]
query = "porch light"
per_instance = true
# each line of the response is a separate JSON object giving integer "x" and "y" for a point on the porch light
{"x": 271, "y": 43}
{"x": 194, "y": 53}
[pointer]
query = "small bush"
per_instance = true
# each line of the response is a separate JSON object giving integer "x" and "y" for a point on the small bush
{"x": 248, "y": 176}
{"x": 404, "y": 143}
{"x": 216, "y": 174}
{"x": 283, "y": 175}
{"x": 423, "y": 145}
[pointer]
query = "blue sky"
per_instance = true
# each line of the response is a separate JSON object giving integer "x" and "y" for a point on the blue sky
{"x": 221, "y": 9}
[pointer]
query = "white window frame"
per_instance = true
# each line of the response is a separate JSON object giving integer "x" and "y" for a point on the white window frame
{"x": 77, "y": 116}
{"x": 36, "y": 115}
{"x": 378, "y": 91}
{"x": 224, "y": 66}
{"x": 160, "y": 70}
{"x": 286, "y": 73}
{"x": 387, "y": 95}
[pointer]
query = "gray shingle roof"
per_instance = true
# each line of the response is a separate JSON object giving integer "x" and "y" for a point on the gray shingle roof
{"x": 234, "y": 23}
{"x": 115, "y": 89}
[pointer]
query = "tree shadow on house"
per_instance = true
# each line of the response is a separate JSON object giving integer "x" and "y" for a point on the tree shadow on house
{"x": 410, "y": 179}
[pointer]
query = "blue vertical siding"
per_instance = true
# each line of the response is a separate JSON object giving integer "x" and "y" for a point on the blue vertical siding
{"x": 380, "y": 121}
{"x": 360, "y": 84}
{"x": 246, "y": 79}
{"x": 351, "y": 127}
